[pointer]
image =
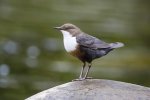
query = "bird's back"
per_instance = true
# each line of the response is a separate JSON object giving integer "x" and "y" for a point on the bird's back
{"x": 93, "y": 47}
{"x": 95, "y": 43}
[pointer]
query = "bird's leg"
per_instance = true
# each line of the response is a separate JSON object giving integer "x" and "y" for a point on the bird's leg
{"x": 86, "y": 74}
{"x": 81, "y": 74}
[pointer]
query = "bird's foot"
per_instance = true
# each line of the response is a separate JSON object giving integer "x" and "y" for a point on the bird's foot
{"x": 81, "y": 79}
{"x": 89, "y": 78}
{"x": 78, "y": 79}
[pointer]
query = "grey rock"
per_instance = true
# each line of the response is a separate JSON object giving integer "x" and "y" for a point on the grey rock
{"x": 94, "y": 89}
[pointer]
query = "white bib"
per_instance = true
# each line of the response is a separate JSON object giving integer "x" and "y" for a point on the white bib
{"x": 69, "y": 41}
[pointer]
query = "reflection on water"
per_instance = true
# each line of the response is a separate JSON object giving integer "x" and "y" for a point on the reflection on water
{"x": 32, "y": 56}
{"x": 4, "y": 70}
{"x": 10, "y": 47}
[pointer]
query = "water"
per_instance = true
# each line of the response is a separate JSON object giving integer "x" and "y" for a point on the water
{"x": 32, "y": 56}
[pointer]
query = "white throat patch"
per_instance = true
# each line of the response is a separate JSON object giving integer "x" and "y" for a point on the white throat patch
{"x": 69, "y": 41}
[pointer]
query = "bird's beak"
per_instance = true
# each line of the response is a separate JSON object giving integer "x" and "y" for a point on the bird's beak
{"x": 58, "y": 28}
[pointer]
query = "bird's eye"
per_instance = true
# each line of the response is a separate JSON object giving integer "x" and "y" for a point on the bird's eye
{"x": 70, "y": 27}
{"x": 66, "y": 28}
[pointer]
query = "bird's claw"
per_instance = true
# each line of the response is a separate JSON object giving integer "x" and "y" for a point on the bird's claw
{"x": 81, "y": 79}
{"x": 88, "y": 77}
{"x": 78, "y": 79}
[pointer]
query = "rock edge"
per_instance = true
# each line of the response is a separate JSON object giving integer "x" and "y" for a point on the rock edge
{"x": 94, "y": 89}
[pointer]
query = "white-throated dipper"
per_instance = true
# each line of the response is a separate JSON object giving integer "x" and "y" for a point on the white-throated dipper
{"x": 85, "y": 47}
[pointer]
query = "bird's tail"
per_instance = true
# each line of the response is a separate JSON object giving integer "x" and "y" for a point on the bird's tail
{"x": 116, "y": 45}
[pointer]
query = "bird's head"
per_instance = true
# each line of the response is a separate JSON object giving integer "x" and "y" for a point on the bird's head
{"x": 69, "y": 28}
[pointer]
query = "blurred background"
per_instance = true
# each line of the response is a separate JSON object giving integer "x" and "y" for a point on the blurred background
{"x": 32, "y": 56}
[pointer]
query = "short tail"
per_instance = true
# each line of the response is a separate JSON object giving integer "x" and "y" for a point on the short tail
{"x": 116, "y": 45}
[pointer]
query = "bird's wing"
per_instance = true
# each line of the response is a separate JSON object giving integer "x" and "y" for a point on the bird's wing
{"x": 91, "y": 42}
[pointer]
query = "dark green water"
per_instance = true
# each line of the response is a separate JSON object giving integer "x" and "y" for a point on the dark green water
{"x": 32, "y": 57}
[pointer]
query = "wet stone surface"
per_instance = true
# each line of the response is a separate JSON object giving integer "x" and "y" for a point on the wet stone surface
{"x": 94, "y": 89}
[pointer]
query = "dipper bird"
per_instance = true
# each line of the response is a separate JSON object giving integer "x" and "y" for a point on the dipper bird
{"x": 85, "y": 47}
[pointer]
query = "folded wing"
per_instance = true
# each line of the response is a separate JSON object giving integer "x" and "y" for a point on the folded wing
{"x": 91, "y": 42}
{"x": 95, "y": 43}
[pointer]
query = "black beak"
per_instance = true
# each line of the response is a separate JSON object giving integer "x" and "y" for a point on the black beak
{"x": 58, "y": 28}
